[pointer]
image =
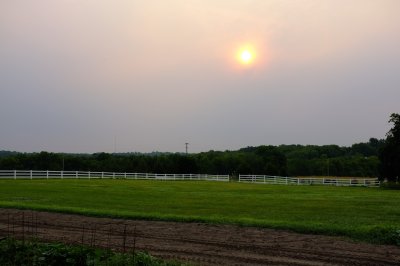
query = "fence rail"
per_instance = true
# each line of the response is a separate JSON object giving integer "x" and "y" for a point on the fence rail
{"x": 350, "y": 182}
{"x": 260, "y": 179}
{"x": 34, "y": 174}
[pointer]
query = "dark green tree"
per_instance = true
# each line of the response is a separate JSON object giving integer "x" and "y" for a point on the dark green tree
{"x": 390, "y": 153}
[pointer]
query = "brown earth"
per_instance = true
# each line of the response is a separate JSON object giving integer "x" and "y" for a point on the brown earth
{"x": 197, "y": 243}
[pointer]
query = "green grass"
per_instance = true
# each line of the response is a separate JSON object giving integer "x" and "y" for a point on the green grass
{"x": 369, "y": 214}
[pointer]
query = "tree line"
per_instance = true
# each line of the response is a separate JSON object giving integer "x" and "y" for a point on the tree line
{"x": 377, "y": 157}
{"x": 360, "y": 159}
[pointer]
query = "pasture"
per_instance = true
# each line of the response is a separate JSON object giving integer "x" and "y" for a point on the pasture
{"x": 370, "y": 214}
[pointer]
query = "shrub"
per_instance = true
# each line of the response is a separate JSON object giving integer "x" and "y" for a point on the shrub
{"x": 15, "y": 252}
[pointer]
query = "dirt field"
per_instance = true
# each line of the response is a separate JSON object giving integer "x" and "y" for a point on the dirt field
{"x": 199, "y": 244}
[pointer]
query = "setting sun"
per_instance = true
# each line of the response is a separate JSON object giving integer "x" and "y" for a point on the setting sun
{"x": 245, "y": 56}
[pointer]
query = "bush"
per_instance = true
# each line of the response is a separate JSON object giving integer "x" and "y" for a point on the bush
{"x": 14, "y": 252}
{"x": 389, "y": 236}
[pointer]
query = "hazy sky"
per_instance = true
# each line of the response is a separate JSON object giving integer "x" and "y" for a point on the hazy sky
{"x": 150, "y": 75}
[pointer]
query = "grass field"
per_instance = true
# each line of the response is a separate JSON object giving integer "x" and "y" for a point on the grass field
{"x": 369, "y": 214}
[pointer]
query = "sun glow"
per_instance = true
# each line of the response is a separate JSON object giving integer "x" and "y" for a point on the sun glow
{"x": 246, "y": 56}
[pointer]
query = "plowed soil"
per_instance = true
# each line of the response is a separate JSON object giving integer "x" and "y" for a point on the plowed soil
{"x": 197, "y": 243}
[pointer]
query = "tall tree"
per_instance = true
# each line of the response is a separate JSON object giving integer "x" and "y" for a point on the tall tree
{"x": 390, "y": 153}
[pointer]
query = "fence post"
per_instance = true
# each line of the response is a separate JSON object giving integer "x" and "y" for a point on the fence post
{"x": 125, "y": 175}
{"x": 89, "y": 174}
{"x": 76, "y": 174}
{"x": 47, "y": 174}
{"x": 102, "y": 175}
{"x": 298, "y": 181}
{"x": 62, "y": 174}
{"x": 31, "y": 174}
{"x": 15, "y": 174}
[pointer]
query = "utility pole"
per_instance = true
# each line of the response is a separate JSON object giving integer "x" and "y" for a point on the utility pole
{"x": 186, "y": 145}
{"x": 328, "y": 166}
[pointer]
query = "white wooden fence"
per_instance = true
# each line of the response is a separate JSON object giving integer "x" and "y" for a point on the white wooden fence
{"x": 260, "y": 179}
{"x": 33, "y": 174}
{"x": 265, "y": 179}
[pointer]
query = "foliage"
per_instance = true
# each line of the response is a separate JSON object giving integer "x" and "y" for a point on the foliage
{"x": 348, "y": 211}
{"x": 390, "y": 153}
{"x": 294, "y": 160}
{"x": 7, "y": 153}
{"x": 14, "y": 252}
{"x": 361, "y": 159}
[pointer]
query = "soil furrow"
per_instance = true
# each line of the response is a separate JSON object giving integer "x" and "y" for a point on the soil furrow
{"x": 201, "y": 244}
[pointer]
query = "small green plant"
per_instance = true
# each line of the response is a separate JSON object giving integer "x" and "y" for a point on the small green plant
{"x": 396, "y": 237}
{"x": 14, "y": 252}
{"x": 381, "y": 235}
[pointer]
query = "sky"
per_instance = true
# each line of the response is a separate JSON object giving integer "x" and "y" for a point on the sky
{"x": 87, "y": 76}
